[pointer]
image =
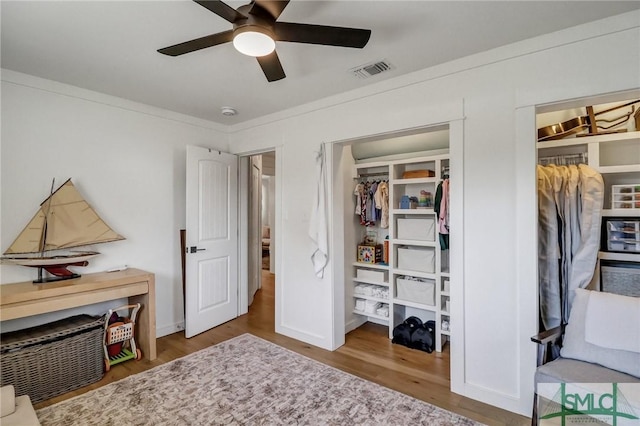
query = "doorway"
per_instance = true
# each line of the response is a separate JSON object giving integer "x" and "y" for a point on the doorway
{"x": 412, "y": 164}
{"x": 261, "y": 231}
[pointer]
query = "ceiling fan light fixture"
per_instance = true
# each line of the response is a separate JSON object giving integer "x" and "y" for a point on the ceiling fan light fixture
{"x": 253, "y": 41}
{"x": 256, "y": 29}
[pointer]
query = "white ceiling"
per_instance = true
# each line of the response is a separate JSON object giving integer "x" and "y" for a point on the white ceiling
{"x": 110, "y": 46}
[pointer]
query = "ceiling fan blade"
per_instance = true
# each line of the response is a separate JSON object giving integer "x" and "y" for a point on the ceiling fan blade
{"x": 222, "y": 10}
{"x": 274, "y": 8}
{"x": 321, "y": 34}
{"x": 271, "y": 66}
{"x": 197, "y": 44}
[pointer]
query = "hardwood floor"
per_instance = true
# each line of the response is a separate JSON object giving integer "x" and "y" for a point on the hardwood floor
{"x": 368, "y": 353}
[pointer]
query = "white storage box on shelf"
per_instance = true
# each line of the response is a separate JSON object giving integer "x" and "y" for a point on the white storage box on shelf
{"x": 369, "y": 275}
{"x": 423, "y": 292}
{"x": 419, "y": 229}
{"x": 417, "y": 259}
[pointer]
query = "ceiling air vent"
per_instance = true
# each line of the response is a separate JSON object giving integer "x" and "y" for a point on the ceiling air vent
{"x": 369, "y": 70}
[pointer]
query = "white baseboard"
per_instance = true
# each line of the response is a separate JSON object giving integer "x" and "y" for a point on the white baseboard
{"x": 519, "y": 404}
{"x": 170, "y": 329}
{"x": 354, "y": 323}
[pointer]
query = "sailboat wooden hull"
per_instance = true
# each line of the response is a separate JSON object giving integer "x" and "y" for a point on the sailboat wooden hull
{"x": 45, "y": 261}
{"x": 55, "y": 265}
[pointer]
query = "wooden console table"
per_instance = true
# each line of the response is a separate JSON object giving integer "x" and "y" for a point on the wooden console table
{"x": 24, "y": 299}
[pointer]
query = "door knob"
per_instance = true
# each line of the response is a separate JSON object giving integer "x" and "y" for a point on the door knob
{"x": 194, "y": 249}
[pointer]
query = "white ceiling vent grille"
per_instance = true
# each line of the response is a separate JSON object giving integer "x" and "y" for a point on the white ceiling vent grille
{"x": 371, "y": 69}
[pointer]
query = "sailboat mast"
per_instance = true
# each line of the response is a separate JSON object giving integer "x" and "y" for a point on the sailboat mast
{"x": 43, "y": 238}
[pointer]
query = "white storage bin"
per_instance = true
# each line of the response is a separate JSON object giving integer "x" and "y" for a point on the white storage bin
{"x": 417, "y": 291}
{"x": 417, "y": 259}
{"x": 420, "y": 229}
{"x": 369, "y": 275}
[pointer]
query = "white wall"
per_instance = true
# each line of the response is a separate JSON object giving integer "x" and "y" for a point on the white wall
{"x": 127, "y": 159}
{"x": 498, "y": 301}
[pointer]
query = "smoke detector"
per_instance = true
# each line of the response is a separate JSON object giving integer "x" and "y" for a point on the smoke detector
{"x": 228, "y": 111}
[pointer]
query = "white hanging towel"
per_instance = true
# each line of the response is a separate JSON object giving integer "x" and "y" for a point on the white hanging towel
{"x": 319, "y": 226}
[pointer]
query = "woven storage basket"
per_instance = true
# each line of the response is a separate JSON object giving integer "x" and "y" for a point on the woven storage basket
{"x": 51, "y": 359}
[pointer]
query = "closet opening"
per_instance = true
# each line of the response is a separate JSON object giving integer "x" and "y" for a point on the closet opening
{"x": 588, "y": 179}
{"x": 392, "y": 217}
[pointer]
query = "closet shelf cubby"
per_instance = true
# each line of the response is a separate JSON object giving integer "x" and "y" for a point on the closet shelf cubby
{"x": 373, "y": 282}
{"x": 416, "y": 305}
{"x": 380, "y": 266}
{"x": 379, "y": 317}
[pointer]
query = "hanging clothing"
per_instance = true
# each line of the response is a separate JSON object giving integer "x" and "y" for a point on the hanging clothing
{"x": 382, "y": 202}
{"x": 358, "y": 192}
{"x": 373, "y": 186}
{"x": 361, "y": 194}
{"x": 377, "y": 201}
{"x": 363, "y": 205}
{"x": 443, "y": 213}
{"x": 319, "y": 225}
{"x": 441, "y": 209}
{"x": 548, "y": 251}
{"x": 437, "y": 200}
{"x": 589, "y": 203}
{"x": 570, "y": 202}
{"x": 372, "y": 203}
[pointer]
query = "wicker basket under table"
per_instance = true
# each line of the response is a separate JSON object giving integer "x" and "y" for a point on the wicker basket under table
{"x": 52, "y": 359}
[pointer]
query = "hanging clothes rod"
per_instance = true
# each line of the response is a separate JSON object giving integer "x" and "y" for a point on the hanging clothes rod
{"x": 366, "y": 175}
{"x": 564, "y": 159}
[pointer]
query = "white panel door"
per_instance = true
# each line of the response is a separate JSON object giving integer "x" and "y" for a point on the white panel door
{"x": 211, "y": 293}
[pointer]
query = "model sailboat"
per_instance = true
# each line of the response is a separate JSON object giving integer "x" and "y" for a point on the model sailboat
{"x": 65, "y": 220}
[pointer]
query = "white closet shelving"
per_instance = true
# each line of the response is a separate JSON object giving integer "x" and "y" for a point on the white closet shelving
{"x": 417, "y": 273}
{"x": 616, "y": 156}
{"x": 375, "y": 276}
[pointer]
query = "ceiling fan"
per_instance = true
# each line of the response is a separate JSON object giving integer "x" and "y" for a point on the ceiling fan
{"x": 255, "y": 32}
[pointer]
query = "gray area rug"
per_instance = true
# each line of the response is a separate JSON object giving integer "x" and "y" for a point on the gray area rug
{"x": 245, "y": 381}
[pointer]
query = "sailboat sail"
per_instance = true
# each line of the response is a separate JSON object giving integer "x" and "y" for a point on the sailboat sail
{"x": 70, "y": 222}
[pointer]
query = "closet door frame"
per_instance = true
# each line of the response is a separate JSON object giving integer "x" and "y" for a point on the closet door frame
{"x": 526, "y": 241}
{"x": 341, "y": 200}
{"x": 529, "y": 105}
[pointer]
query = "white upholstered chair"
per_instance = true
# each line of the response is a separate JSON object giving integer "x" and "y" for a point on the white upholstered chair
{"x": 600, "y": 344}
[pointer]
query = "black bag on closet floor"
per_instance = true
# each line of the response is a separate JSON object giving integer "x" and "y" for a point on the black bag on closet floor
{"x": 423, "y": 337}
{"x": 402, "y": 333}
